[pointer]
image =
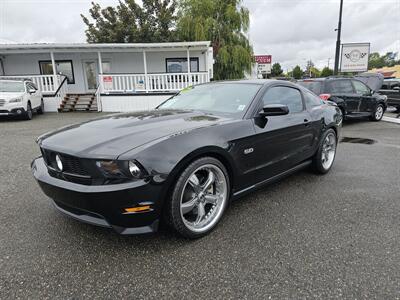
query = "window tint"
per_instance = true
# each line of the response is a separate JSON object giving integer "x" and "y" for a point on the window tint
{"x": 360, "y": 87}
{"x": 312, "y": 100}
{"x": 179, "y": 65}
{"x": 63, "y": 67}
{"x": 314, "y": 86}
{"x": 284, "y": 95}
{"x": 340, "y": 87}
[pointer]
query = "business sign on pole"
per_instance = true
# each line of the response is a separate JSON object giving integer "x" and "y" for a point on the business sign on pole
{"x": 354, "y": 57}
{"x": 263, "y": 64}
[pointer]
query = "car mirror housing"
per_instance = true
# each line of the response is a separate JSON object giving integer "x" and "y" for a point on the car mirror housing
{"x": 274, "y": 110}
{"x": 32, "y": 91}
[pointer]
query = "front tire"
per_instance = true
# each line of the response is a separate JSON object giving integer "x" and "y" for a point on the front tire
{"x": 326, "y": 153}
{"x": 199, "y": 198}
{"x": 378, "y": 113}
{"x": 40, "y": 110}
{"x": 28, "y": 113}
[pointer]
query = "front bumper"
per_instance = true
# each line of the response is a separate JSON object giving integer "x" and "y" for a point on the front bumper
{"x": 103, "y": 205}
{"x": 12, "y": 111}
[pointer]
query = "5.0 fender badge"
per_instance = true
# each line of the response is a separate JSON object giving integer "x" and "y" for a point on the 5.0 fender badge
{"x": 248, "y": 151}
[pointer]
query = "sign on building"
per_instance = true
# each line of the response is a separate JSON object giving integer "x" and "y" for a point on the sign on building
{"x": 354, "y": 57}
{"x": 263, "y": 63}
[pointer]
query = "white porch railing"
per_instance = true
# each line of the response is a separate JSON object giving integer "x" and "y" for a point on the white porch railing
{"x": 47, "y": 84}
{"x": 162, "y": 82}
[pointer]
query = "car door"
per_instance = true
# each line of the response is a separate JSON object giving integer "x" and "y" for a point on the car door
{"x": 367, "y": 103}
{"x": 281, "y": 142}
{"x": 34, "y": 96}
{"x": 343, "y": 89}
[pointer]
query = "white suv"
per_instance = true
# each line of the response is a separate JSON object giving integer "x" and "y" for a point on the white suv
{"x": 20, "y": 97}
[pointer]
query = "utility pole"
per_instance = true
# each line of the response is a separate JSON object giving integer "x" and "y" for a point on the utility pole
{"x": 328, "y": 61}
{"x": 339, "y": 31}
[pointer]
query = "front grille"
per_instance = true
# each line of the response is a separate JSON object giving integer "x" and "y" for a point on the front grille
{"x": 74, "y": 168}
{"x": 73, "y": 165}
{"x": 2, "y": 102}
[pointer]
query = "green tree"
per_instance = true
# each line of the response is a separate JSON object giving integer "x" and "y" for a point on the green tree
{"x": 315, "y": 72}
{"x": 297, "y": 72}
{"x": 129, "y": 22}
{"x": 224, "y": 23}
{"x": 276, "y": 70}
{"x": 326, "y": 72}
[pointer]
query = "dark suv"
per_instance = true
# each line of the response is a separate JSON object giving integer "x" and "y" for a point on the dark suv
{"x": 391, "y": 88}
{"x": 353, "y": 97}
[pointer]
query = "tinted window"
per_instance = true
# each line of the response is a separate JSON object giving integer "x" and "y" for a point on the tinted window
{"x": 311, "y": 99}
{"x": 313, "y": 86}
{"x": 229, "y": 98}
{"x": 179, "y": 65}
{"x": 284, "y": 95}
{"x": 360, "y": 88}
{"x": 340, "y": 87}
{"x": 63, "y": 67}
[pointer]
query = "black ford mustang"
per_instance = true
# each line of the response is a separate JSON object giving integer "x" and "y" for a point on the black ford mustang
{"x": 187, "y": 159}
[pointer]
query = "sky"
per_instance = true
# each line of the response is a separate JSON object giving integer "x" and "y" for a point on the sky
{"x": 292, "y": 31}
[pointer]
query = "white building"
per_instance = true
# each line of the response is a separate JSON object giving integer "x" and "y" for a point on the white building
{"x": 108, "y": 77}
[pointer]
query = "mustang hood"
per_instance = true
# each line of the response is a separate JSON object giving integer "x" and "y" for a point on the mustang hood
{"x": 110, "y": 136}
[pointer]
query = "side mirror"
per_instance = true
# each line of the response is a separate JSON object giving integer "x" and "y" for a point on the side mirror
{"x": 274, "y": 110}
{"x": 32, "y": 91}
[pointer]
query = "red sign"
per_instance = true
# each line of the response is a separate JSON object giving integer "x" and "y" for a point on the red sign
{"x": 107, "y": 79}
{"x": 263, "y": 59}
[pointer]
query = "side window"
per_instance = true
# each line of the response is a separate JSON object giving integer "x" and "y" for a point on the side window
{"x": 340, "y": 87}
{"x": 284, "y": 95}
{"x": 360, "y": 88}
{"x": 311, "y": 99}
{"x": 28, "y": 86}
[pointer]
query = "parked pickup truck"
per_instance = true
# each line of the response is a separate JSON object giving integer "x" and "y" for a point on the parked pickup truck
{"x": 391, "y": 88}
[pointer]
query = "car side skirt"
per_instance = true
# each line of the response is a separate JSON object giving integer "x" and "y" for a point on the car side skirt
{"x": 270, "y": 180}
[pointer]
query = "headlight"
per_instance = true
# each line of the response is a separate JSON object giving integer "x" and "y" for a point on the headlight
{"x": 120, "y": 169}
{"x": 15, "y": 100}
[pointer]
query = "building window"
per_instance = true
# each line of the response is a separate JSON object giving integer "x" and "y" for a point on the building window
{"x": 63, "y": 67}
{"x": 179, "y": 65}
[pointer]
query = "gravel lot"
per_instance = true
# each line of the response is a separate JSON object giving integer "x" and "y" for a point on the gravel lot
{"x": 333, "y": 236}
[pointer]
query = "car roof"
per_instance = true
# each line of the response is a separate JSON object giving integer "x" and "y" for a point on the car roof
{"x": 254, "y": 81}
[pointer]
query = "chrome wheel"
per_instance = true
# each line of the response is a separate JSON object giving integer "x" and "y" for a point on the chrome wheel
{"x": 328, "y": 150}
{"x": 203, "y": 198}
{"x": 379, "y": 112}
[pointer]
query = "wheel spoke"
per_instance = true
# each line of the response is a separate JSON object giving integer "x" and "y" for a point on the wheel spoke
{"x": 195, "y": 183}
{"x": 210, "y": 180}
{"x": 200, "y": 213}
{"x": 212, "y": 199}
{"x": 188, "y": 206}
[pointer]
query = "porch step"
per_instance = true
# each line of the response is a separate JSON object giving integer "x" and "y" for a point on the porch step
{"x": 78, "y": 102}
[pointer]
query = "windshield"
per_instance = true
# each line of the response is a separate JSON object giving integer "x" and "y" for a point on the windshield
{"x": 12, "y": 87}
{"x": 313, "y": 86}
{"x": 226, "y": 98}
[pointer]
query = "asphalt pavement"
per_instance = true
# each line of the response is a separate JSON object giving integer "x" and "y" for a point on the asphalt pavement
{"x": 308, "y": 236}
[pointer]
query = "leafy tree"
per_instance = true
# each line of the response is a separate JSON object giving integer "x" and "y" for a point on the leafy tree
{"x": 297, "y": 72}
{"x": 276, "y": 70}
{"x": 129, "y": 22}
{"x": 390, "y": 59}
{"x": 326, "y": 72}
{"x": 224, "y": 23}
{"x": 315, "y": 72}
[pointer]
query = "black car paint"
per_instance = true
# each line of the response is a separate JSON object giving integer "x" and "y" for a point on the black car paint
{"x": 164, "y": 142}
{"x": 391, "y": 88}
{"x": 353, "y": 105}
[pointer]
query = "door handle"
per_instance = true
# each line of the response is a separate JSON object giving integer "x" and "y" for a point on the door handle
{"x": 306, "y": 122}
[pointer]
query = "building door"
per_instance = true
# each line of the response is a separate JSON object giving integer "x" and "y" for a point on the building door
{"x": 91, "y": 75}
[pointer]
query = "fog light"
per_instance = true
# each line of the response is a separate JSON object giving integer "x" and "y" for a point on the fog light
{"x": 59, "y": 162}
{"x": 19, "y": 111}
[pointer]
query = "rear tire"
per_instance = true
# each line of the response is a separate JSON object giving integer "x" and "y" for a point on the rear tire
{"x": 28, "y": 114}
{"x": 326, "y": 153}
{"x": 40, "y": 110}
{"x": 199, "y": 198}
{"x": 378, "y": 113}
